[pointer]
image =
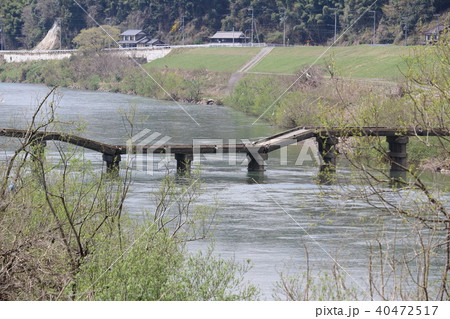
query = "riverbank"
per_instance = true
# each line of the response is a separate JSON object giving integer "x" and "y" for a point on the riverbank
{"x": 108, "y": 73}
{"x": 202, "y": 75}
{"x": 195, "y": 74}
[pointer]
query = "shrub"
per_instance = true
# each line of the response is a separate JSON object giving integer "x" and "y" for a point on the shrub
{"x": 65, "y": 235}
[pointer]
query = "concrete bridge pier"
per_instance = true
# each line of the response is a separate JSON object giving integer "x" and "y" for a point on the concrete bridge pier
{"x": 256, "y": 163}
{"x": 38, "y": 157}
{"x": 38, "y": 149}
{"x": 112, "y": 162}
{"x": 327, "y": 149}
{"x": 184, "y": 162}
{"x": 398, "y": 156}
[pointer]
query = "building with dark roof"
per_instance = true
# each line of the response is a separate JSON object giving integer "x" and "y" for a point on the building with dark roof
{"x": 434, "y": 34}
{"x": 131, "y": 38}
{"x": 137, "y": 38}
{"x": 228, "y": 37}
{"x": 146, "y": 42}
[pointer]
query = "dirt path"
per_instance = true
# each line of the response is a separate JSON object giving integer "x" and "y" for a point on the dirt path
{"x": 236, "y": 77}
{"x": 256, "y": 59}
{"x": 233, "y": 81}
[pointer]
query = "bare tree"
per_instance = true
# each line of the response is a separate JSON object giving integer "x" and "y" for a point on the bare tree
{"x": 52, "y": 214}
{"x": 410, "y": 197}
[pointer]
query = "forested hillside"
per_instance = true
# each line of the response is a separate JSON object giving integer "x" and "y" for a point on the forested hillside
{"x": 25, "y": 22}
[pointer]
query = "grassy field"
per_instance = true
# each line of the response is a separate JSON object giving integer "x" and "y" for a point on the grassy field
{"x": 363, "y": 61}
{"x": 211, "y": 59}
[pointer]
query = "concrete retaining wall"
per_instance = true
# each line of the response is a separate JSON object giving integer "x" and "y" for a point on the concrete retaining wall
{"x": 149, "y": 54}
{"x": 23, "y": 56}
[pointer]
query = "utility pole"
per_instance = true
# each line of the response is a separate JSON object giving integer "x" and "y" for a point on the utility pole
{"x": 374, "y": 23}
{"x": 335, "y": 24}
{"x": 58, "y": 20}
{"x": 108, "y": 22}
{"x": 405, "y": 27}
{"x": 233, "y": 36}
{"x": 245, "y": 35}
{"x": 284, "y": 26}
{"x": 2, "y": 36}
{"x": 251, "y": 9}
{"x": 183, "y": 27}
{"x": 406, "y": 33}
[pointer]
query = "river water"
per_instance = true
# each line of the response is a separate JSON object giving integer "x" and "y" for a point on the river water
{"x": 269, "y": 220}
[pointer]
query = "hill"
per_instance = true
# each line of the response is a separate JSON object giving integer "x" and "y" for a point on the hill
{"x": 26, "y": 22}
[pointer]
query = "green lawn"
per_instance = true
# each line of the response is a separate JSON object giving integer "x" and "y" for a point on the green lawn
{"x": 211, "y": 59}
{"x": 362, "y": 61}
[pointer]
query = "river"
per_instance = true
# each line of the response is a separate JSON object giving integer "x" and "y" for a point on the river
{"x": 268, "y": 220}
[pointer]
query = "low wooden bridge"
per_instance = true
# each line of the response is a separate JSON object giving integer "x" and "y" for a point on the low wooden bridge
{"x": 257, "y": 152}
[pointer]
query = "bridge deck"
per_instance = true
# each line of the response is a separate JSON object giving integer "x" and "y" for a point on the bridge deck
{"x": 298, "y": 134}
{"x": 257, "y": 152}
{"x": 265, "y": 145}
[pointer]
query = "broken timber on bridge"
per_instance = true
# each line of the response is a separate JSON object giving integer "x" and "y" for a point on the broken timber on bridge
{"x": 257, "y": 152}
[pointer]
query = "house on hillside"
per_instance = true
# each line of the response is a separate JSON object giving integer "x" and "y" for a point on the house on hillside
{"x": 131, "y": 38}
{"x": 228, "y": 37}
{"x": 433, "y": 35}
{"x": 137, "y": 39}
